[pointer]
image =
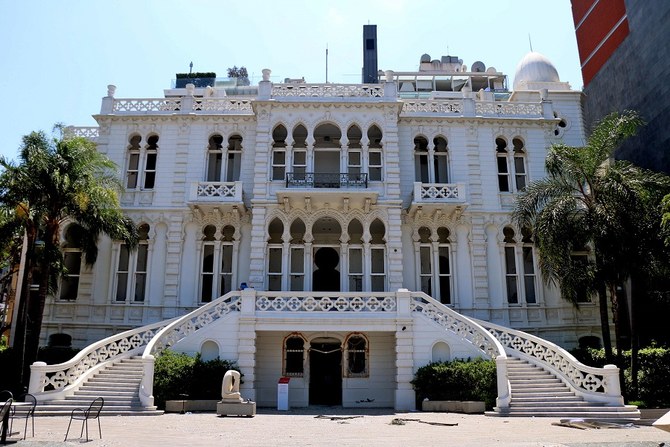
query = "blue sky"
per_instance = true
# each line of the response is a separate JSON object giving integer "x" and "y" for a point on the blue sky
{"x": 58, "y": 56}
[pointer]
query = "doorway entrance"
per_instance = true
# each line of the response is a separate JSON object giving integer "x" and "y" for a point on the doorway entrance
{"x": 325, "y": 372}
{"x": 326, "y": 277}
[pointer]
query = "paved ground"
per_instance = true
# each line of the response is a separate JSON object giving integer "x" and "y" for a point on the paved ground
{"x": 346, "y": 428}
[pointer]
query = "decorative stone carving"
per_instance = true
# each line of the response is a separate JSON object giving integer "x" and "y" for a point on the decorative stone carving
{"x": 266, "y": 74}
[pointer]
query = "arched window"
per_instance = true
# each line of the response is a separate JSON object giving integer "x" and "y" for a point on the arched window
{"x": 131, "y": 272}
{"x": 440, "y": 161}
{"x": 299, "y": 152}
{"x": 511, "y": 164}
{"x": 355, "y": 231}
{"x": 354, "y": 152}
{"x": 375, "y": 160}
{"x": 356, "y": 356}
{"x": 377, "y": 256}
{"x": 218, "y": 261}
{"x": 279, "y": 135}
{"x": 297, "y": 261}
{"x": 69, "y": 285}
{"x": 421, "y": 160}
{"x": 133, "y": 170}
{"x": 214, "y": 158}
{"x": 435, "y": 277}
{"x": 138, "y": 157}
{"x": 151, "y": 159}
{"x": 503, "y": 168}
{"x": 234, "y": 158}
{"x": 520, "y": 275}
{"x": 294, "y": 356}
{"x": 519, "y": 164}
{"x": 275, "y": 255}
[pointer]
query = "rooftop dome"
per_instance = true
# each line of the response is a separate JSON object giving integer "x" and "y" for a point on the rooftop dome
{"x": 534, "y": 67}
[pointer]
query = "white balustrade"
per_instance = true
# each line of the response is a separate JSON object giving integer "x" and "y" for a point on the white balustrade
{"x": 326, "y": 302}
{"x": 443, "y": 107}
{"x": 89, "y": 132}
{"x": 594, "y": 384}
{"x": 222, "y": 105}
{"x": 55, "y": 378}
{"x": 504, "y": 108}
{"x": 147, "y": 105}
{"x": 439, "y": 192}
{"x": 328, "y": 90}
{"x": 470, "y": 330}
{"x": 216, "y": 192}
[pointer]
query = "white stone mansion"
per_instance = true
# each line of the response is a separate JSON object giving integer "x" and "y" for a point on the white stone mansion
{"x": 325, "y": 210}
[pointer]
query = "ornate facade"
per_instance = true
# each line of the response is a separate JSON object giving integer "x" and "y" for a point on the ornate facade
{"x": 326, "y": 199}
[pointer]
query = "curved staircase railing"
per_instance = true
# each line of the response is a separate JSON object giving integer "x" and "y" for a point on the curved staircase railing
{"x": 53, "y": 381}
{"x": 177, "y": 330}
{"x": 593, "y": 384}
{"x": 471, "y": 330}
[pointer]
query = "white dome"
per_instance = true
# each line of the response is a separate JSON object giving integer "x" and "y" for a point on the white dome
{"x": 534, "y": 67}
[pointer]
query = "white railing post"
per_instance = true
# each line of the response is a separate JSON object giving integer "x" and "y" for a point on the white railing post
{"x": 613, "y": 386}
{"x": 107, "y": 106}
{"x": 248, "y": 307}
{"x": 147, "y": 384}
{"x": 503, "y": 399}
{"x": 37, "y": 376}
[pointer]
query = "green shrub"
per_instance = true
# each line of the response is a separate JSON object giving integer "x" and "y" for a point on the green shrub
{"x": 457, "y": 380}
{"x": 653, "y": 373}
{"x": 176, "y": 374}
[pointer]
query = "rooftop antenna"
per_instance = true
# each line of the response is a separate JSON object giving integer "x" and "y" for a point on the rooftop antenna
{"x": 530, "y": 43}
{"x": 190, "y": 68}
{"x": 326, "y": 63}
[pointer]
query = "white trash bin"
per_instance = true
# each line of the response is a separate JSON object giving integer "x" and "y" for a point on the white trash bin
{"x": 282, "y": 393}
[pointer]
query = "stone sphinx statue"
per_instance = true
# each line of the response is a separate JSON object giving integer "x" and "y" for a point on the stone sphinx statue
{"x": 230, "y": 388}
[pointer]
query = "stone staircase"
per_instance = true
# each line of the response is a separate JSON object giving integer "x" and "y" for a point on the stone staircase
{"x": 117, "y": 383}
{"x": 537, "y": 392}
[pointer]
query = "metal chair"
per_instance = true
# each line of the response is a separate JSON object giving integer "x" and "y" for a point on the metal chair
{"x": 28, "y": 414}
{"x": 92, "y": 412}
{"x": 4, "y": 420}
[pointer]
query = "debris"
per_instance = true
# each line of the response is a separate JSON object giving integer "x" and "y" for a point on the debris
{"x": 582, "y": 424}
{"x": 363, "y": 401}
{"x": 403, "y": 421}
{"x": 336, "y": 418}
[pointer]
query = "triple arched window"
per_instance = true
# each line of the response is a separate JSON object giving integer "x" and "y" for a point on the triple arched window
{"x": 319, "y": 260}
{"x": 326, "y": 156}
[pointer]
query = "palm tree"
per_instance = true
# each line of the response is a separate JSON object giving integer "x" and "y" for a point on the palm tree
{"x": 589, "y": 201}
{"x": 56, "y": 180}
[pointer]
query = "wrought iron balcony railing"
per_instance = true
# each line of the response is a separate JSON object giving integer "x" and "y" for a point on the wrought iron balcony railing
{"x": 326, "y": 180}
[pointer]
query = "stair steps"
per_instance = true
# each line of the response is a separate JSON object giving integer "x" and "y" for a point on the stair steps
{"x": 117, "y": 383}
{"x": 536, "y": 392}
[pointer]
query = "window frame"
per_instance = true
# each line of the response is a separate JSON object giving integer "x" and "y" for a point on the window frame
{"x": 365, "y": 373}
{"x": 285, "y": 352}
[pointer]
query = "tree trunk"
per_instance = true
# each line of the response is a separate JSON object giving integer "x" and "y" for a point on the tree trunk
{"x": 634, "y": 340}
{"x": 23, "y": 320}
{"x": 614, "y": 296}
{"x": 604, "y": 323}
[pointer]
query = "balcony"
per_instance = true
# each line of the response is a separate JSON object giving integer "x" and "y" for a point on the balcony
{"x": 326, "y": 180}
{"x": 224, "y": 196}
{"x": 317, "y": 189}
{"x": 446, "y": 197}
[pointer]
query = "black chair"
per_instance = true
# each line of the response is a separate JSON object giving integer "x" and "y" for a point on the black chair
{"x": 4, "y": 420}
{"x": 92, "y": 412}
{"x": 27, "y": 414}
